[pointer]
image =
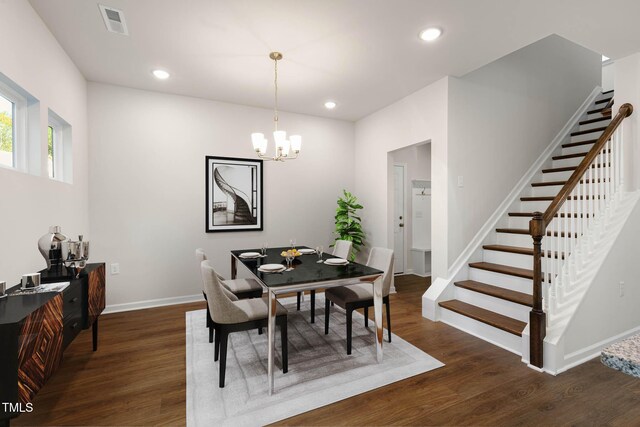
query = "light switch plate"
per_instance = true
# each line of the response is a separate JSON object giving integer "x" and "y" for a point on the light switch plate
{"x": 115, "y": 268}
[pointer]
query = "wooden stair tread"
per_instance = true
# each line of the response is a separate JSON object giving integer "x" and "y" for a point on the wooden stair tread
{"x": 517, "y": 250}
{"x": 496, "y": 320}
{"x": 584, "y": 132}
{"x": 597, "y": 110}
{"x": 607, "y": 92}
{"x": 497, "y": 292}
{"x": 596, "y": 120}
{"x": 537, "y": 198}
{"x": 573, "y": 156}
{"x": 562, "y": 215}
{"x": 603, "y": 101}
{"x": 569, "y": 168}
{"x": 547, "y": 184}
{"x": 503, "y": 269}
{"x": 577, "y": 144}
{"x": 526, "y": 231}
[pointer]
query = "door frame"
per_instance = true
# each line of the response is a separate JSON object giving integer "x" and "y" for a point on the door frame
{"x": 404, "y": 215}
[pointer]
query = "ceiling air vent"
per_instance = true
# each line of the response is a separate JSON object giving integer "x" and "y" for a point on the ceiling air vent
{"x": 114, "y": 20}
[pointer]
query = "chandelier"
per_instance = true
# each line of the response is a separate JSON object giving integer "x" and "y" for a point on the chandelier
{"x": 286, "y": 149}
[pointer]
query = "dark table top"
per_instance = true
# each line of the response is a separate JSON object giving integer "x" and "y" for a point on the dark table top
{"x": 306, "y": 268}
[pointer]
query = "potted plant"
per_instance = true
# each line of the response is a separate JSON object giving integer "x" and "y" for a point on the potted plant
{"x": 348, "y": 225}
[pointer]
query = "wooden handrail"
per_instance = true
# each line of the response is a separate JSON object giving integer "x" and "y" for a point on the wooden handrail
{"x": 625, "y": 111}
{"x": 538, "y": 229}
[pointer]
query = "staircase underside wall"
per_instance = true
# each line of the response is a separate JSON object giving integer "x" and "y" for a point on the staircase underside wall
{"x": 609, "y": 310}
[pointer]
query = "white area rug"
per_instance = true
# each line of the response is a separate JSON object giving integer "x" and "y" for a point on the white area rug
{"x": 320, "y": 372}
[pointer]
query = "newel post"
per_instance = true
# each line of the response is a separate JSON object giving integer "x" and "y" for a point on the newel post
{"x": 537, "y": 318}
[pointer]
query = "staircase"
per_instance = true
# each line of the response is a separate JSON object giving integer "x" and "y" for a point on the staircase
{"x": 242, "y": 213}
{"x": 496, "y": 297}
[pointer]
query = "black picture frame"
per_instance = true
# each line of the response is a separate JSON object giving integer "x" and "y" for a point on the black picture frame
{"x": 233, "y": 194}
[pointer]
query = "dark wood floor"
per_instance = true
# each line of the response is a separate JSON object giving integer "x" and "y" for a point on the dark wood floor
{"x": 138, "y": 378}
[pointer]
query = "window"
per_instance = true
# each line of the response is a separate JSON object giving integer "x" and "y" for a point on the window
{"x": 59, "y": 148}
{"x": 7, "y": 132}
{"x": 50, "y": 155}
{"x": 15, "y": 134}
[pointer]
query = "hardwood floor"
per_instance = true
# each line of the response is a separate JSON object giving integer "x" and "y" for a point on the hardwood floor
{"x": 137, "y": 377}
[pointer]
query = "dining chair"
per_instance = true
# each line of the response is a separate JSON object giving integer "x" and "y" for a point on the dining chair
{"x": 341, "y": 249}
{"x": 235, "y": 289}
{"x": 238, "y": 315}
{"x": 360, "y": 294}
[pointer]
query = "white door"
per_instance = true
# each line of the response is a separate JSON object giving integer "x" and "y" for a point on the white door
{"x": 398, "y": 218}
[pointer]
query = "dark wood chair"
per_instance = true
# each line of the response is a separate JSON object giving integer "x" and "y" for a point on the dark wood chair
{"x": 229, "y": 315}
{"x": 360, "y": 294}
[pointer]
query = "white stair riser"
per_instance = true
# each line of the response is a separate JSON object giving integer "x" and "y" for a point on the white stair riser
{"x": 523, "y": 222}
{"x": 497, "y": 305}
{"x": 547, "y": 190}
{"x": 573, "y": 161}
{"x": 577, "y": 149}
{"x": 586, "y": 136}
{"x": 556, "y": 176}
{"x": 502, "y": 280}
{"x": 603, "y": 123}
{"x": 508, "y": 258}
{"x": 537, "y": 206}
{"x": 522, "y": 240}
{"x": 488, "y": 333}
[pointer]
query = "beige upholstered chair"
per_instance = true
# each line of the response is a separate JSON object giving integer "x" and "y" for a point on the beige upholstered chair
{"x": 360, "y": 295}
{"x": 341, "y": 249}
{"x": 230, "y": 315}
{"x": 235, "y": 289}
{"x": 242, "y": 288}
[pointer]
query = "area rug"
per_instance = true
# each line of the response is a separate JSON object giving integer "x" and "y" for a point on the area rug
{"x": 623, "y": 356}
{"x": 320, "y": 371}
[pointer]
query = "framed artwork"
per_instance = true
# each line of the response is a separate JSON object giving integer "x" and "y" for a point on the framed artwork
{"x": 233, "y": 194}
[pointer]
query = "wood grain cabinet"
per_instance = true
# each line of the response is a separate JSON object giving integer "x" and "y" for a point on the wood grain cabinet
{"x": 36, "y": 329}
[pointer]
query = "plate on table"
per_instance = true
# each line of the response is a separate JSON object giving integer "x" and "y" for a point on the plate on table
{"x": 306, "y": 251}
{"x": 250, "y": 255}
{"x": 271, "y": 268}
{"x": 336, "y": 261}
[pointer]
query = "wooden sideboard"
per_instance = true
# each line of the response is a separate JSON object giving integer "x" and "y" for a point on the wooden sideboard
{"x": 35, "y": 329}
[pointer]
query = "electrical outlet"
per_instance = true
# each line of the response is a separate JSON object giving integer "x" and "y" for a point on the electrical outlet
{"x": 115, "y": 268}
{"x": 460, "y": 181}
{"x": 621, "y": 289}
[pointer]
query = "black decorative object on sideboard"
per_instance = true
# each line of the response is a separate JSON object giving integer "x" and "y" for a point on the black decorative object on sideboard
{"x": 36, "y": 328}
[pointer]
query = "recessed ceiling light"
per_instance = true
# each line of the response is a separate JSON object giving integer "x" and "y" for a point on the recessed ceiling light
{"x": 161, "y": 74}
{"x": 605, "y": 58}
{"x": 430, "y": 34}
{"x": 330, "y": 105}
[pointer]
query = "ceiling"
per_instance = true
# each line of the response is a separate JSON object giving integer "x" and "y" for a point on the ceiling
{"x": 364, "y": 54}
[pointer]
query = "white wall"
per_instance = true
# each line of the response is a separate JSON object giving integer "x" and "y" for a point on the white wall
{"x": 627, "y": 90}
{"x": 29, "y": 204}
{"x": 417, "y": 161}
{"x": 147, "y": 198}
{"x": 604, "y": 313}
{"x": 608, "y": 76}
{"x": 501, "y": 117}
{"x": 421, "y": 116}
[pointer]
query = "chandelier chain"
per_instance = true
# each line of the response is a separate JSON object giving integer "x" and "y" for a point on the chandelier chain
{"x": 275, "y": 83}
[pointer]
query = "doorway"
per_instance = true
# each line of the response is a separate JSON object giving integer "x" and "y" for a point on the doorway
{"x": 409, "y": 208}
{"x": 399, "y": 212}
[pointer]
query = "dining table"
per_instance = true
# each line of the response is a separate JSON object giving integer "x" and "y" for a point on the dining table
{"x": 306, "y": 273}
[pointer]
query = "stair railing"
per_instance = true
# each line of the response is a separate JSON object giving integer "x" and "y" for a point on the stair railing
{"x": 594, "y": 185}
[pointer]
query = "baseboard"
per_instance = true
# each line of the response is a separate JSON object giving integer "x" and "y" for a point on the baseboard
{"x": 583, "y": 355}
{"x": 141, "y": 305}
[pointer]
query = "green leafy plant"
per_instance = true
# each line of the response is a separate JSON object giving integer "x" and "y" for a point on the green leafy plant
{"x": 348, "y": 225}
